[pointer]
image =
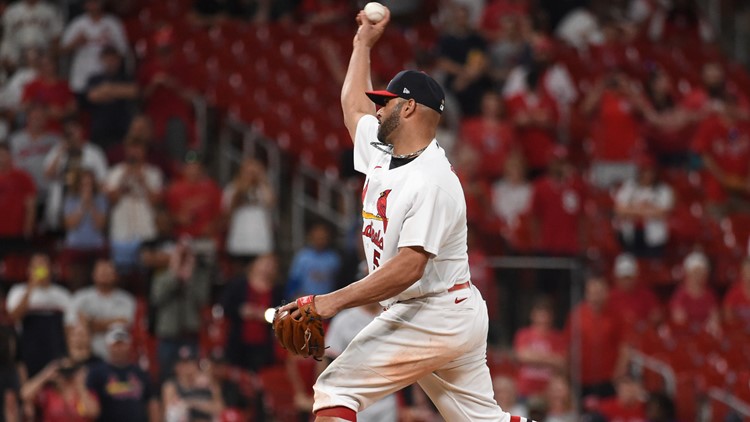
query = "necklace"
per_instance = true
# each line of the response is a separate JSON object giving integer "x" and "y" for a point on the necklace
{"x": 388, "y": 149}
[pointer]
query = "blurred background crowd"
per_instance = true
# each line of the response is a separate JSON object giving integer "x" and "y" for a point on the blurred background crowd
{"x": 603, "y": 146}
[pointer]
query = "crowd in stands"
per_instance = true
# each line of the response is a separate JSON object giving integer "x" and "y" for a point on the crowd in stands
{"x": 613, "y": 133}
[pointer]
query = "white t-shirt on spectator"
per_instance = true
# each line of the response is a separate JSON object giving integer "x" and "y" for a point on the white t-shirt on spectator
{"x": 557, "y": 82}
{"x": 133, "y": 216}
{"x": 250, "y": 227}
{"x": 344, "y": 327}
{"x": 108, "y": 30}
{"x": 30, "y": 155}
{"x": 579, "y": 28}
{"x": 655, "y": 230}
{"x": 94, "y": 305}
{"x": 509, "y": 201}
{"x": 51, "y": 298}
{"x": 26, "y": 26}
{"x": 13, "y": 90}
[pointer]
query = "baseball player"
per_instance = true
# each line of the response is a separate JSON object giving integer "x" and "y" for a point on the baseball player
{"x": 434, "y": 327}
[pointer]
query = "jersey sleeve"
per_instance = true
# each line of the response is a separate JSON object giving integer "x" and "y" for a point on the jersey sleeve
{"x": 367, "y": 131}
{"x": 429, "y": 220}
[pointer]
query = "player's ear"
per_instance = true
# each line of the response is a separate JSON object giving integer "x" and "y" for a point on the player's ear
{"x": 409, "y": 108}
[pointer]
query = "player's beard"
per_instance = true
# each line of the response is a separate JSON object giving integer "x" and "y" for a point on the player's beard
{"x": 390, "y": 124}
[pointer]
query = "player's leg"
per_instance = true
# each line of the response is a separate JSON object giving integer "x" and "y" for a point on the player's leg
{"x": 464, "y": 392}
{"x": 462, "y": 389}
{"x": 399, "y": 347}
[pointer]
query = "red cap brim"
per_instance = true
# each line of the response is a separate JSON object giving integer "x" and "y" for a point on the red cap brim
{"x": 379, "y": 97}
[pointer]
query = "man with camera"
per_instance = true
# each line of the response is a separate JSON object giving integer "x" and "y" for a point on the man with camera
{"x": 63, "y": 161}
{"x": 59, "y": 391}
{"x": 179, "y": 292}
{"x": 134, "y": 188}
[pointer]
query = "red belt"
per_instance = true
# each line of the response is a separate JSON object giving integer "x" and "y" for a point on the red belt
{"x": 461, "y": 286}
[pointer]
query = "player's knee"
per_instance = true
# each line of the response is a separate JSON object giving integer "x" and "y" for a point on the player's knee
{"x": 336, "y": 414}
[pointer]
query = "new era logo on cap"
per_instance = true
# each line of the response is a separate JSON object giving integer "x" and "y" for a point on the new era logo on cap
{"x": 412, "y": 84}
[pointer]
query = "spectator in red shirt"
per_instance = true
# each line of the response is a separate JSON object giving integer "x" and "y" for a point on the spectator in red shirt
{"x": 715, "y": 90}
{"x": 494, "y": 16}
{"x": 737, "y": 300}
{"x": 194, "y": 200}
{"x": 556, "y": 208}
{"x": 594, "y": 333}
{"x": 634, "y": 302}
{"x": 60, "y": 393}
{"x": 18, "y": 201}
{"x": 245, "y": 301}
{"x": 167, "y": 97}
{"x": 614, "y": 105}
{"x": 489, "y": 134}
{"x": 53, "y": 92}
{"x": 668, "y": 122}
{"x": 723, "y": 142}
{"x": 693, "y": 305}
{"x": 535, "y": 116}
{"x": 540, "y": 350}
{"x": 476, "y": 188}
{"x": 629, "y": 404}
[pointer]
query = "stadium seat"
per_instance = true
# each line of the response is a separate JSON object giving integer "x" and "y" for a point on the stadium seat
{"x": 686, "y": 398}
{"x": 14, "y": 268}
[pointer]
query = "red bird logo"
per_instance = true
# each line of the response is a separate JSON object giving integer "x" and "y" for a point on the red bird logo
{"x": 382, "y": 205}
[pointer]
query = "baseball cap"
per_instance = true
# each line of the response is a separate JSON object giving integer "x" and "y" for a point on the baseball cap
{"x": 625, "y": 266}
{"x": 117, "y": 333}
{"x": 412, "y": 84}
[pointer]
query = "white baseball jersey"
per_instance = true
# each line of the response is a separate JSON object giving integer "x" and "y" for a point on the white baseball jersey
{"x": 439, "y": 338}
{"x": 417, "y": 204}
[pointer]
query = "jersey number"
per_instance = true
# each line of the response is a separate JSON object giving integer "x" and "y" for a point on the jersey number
{"x": 375, "y": 260}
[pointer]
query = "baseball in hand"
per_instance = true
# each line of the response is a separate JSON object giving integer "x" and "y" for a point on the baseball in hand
{"x": 374, "y": 11}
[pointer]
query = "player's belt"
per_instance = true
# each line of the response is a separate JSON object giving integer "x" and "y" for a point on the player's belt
{"x": 461, "y": 286}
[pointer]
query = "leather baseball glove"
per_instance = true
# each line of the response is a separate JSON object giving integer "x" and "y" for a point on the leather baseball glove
{"x": 301, "y": 331}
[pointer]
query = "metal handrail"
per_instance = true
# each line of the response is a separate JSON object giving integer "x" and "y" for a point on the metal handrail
{"x": 740, "y": 406}
{"x": 642, "y": 360}
{"x": 329, "y": 189}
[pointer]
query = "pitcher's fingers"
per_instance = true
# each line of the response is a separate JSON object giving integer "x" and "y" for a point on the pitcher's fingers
{"x": 386, "y": 18}
{"x": 287, "y": 308}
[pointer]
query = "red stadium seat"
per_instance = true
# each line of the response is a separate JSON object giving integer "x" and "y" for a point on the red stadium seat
{"x": 278, "y": 393}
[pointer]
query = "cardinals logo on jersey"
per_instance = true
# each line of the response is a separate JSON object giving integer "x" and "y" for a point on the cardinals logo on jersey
{"x": 381, "y": 215}
{"x": 382, "y": 205}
